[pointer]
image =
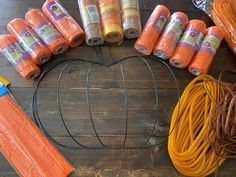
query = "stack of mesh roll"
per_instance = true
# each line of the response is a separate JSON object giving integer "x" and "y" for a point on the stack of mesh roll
{"x": 111, "y": 20}
{"x": 91, "y": 21}
{"x": 131, "y": 18}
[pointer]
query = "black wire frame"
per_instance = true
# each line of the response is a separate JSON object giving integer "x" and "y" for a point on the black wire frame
{"x": 67, "y": 63}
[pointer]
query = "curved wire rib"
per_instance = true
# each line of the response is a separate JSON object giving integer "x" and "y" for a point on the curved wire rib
{"x": 126, "y": 105}
{"x": 89, "y": 106}
{"x": 59, "y": 104}
{"x": 125, "y": 96}
{"x": 35, "y": 108}
{"x": 155, "y": 109}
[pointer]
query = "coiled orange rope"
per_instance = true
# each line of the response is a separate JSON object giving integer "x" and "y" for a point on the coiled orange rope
{"x": 224, "y": 16}
{"x": 188, "y": 148}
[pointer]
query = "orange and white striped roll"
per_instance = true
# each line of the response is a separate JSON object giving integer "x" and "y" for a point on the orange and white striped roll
{"x": 131, "y": 18}
{"x": 171, "y": 35}
{"x": 188, "y": 44}
{"x": 29, "y": 40}
{"x": 22, "y": 61}
{"x": 152, "y": 30}
{"x": 64, "y": 23}
{"x": 111, "y": 20}
{"x": 204, "y": 57}
{"x": 46, "y": 31}
{"x": 91, "y": 21}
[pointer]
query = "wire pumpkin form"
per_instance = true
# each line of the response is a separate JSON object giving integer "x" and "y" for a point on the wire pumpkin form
{"x": 65, "y": 65}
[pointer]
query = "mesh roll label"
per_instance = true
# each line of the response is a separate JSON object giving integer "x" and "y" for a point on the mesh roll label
{"x": 211, "y": 43}
{"x": 47, "y": 33}
{"x": 131, "y": 13}
{"x": 28, "y": 41}
{"x": 191, "y": 38}
{"x": 56, "y": 10}
{"x": 14, "y": 53}
{"x": 160, "y": 22}
{"x": 175, "y": 27}
{"x": 90, "y": 15}
{"x": 126, "y": 4}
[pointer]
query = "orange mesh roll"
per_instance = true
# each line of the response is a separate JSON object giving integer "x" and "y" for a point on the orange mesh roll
{"x": 224, "y": 16}
{"x": 152, "y": 30}
{"x": 189, "y": 44}
{"x": 171, "y": 35}
{"x": 29, "y": 40}
{"x": 18, "y": 57}
{"x": 46, "y": 31}
{"x": 204, "y": 57}
{"x": 64, "y": 23}
{"x": 25, "y": 147}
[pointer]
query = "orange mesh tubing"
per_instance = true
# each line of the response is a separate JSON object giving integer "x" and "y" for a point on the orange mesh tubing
{"x": 152, "y": 30}
{"x": 25, "y": 147}
{"x": 224, "y": 16}
{"x": 64, "y": 23}
{"x": 188, "y": 44}
{"x": 204, "y": 57}
{"x": 171, "y": 35}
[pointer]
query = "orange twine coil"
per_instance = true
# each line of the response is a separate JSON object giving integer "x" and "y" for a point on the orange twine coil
{"x": 204, "y": 57}
{"x": 188, "y": 44}
{"x": 46, "y": 31}
{"x": 29, "y": 40}
{"x": 152, "y": 30}
{"x": 64, "y": 23}
{"x": 171, "y": 35}
{"x": 18, "y": 57}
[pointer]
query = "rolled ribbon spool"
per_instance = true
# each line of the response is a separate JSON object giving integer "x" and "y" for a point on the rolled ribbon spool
{"x": 18, "y": 57}
{"x": 64, "y": 23}
{"x": 91, "y": 21}
{"x": 204, "y": 57}
{"x": 46, "y": 31}
{"x": 29, "y": 41}
{"x": 111, "y": 20}
{"x": 171, "y": 35}
{"x": 188, "y": 44}
{"x": 131, "y": 18}
{"x": 152, "y": 30}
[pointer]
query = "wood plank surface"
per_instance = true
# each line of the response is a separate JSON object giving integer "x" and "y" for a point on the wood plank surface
{"x": 106, "y": 88}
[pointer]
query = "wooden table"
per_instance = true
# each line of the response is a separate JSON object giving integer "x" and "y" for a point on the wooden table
{"x": 107, "y": 100}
